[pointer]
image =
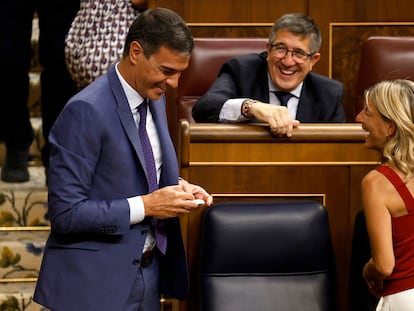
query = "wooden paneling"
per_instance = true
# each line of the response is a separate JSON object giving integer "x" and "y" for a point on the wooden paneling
{"x": 228, "y": 30}
{"x": 321, "y": 161}
{"x": 326, "y": 12}
{"x": 345, "y": 51}
{"x": 239, "y": 11}
{"x": 232, "y": 11}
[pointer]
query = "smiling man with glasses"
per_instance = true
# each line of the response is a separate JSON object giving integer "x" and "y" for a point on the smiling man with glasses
{"x": 276, "y": 86}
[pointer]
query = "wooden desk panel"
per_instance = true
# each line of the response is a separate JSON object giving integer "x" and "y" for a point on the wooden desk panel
{"x": 324, "y": 162}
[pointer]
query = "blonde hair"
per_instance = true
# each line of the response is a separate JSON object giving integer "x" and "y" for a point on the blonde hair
{"x": 394, "y": 100}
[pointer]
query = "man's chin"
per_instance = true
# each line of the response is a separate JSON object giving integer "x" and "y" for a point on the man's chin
{"x": 155, "y": 95}
{"x": 287, "y": 82}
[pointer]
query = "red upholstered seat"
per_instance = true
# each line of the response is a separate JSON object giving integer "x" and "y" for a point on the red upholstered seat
{"x": 384, "y": 58}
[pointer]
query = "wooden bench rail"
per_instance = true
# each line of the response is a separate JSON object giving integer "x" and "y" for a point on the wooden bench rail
{"x": 225, "y": 132}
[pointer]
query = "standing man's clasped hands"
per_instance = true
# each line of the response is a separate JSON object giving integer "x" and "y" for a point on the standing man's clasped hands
{"x": 171, "y": 201}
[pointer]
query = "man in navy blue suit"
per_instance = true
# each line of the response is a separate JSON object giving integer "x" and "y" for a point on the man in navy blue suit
{"x": 281, "y": 76}
{"x": 103, "y": 252}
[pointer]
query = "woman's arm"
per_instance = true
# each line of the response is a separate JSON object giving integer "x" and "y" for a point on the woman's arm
{"x": 378, "y": 219}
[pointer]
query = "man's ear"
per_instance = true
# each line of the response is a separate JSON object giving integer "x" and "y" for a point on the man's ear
{"x": 135, "y": 50}
{"x": 315, "y": 58}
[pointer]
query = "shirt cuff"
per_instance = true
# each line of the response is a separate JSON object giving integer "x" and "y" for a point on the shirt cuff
{"x": 231, "y": 110}
{"x": 136, "y": 210}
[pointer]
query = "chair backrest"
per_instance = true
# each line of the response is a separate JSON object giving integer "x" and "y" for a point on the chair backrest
{"x": 266, "y": 256}
{"x": 208, "y": 55}
{"x": 384, "y": 58}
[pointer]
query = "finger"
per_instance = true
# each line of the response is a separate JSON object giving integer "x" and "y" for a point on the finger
{"x": 279, "y": 130}
{"x": 209, "y": 200}
{"x": 289, "y": 131}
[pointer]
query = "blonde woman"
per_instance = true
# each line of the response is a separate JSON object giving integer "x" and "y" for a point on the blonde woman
{"x": 388, "y": 193}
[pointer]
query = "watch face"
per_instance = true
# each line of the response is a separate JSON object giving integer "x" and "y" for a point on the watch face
{"x": 246, "y": 107}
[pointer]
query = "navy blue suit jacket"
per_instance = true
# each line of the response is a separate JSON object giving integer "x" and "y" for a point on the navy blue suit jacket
{"x": 246, "y": 77}
{"x": 96, "y": 163}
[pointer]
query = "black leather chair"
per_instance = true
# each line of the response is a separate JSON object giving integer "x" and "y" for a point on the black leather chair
{"x": 266, "y": 256}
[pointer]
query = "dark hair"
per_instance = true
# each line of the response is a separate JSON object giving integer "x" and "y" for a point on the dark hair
{"x": 299, "y": 24}
{"x": 159, "y": 27}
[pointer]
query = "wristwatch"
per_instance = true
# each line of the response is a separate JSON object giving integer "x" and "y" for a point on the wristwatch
{"x": 246, "y": 107}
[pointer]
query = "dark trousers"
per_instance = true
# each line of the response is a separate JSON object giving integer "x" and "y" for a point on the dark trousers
{"x": 361, "y": 298}
{"x": 55, "y": 17}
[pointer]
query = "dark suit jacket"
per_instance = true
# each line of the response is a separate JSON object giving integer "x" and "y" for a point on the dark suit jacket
{"x": 246, "y": 77}
{"x": 96, "y": 163}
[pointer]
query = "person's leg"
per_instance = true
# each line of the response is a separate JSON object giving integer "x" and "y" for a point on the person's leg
{"x": 15, "y": 58}
{"x": 55, "y": 18}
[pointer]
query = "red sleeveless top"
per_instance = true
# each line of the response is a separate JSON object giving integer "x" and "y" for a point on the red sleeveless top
{"x": 402, "y": 277}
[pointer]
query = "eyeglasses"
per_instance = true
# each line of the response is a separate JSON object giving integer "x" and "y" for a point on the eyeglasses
{"x": 280, "y": 51}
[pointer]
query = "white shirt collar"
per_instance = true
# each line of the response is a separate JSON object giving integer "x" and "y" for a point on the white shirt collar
{"x": 272, "y": 88}
{"x": 132, "y": 95}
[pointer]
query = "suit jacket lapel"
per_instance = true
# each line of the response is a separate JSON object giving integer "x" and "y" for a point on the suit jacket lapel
{"x": 125, "y": 114}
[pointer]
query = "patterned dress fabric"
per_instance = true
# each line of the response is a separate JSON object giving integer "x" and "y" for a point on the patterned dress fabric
{"x": 96, "y": 38}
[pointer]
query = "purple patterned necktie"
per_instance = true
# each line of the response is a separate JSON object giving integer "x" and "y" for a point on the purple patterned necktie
{"x": 283, "y": 97}
{"x": 151, "y": 173}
